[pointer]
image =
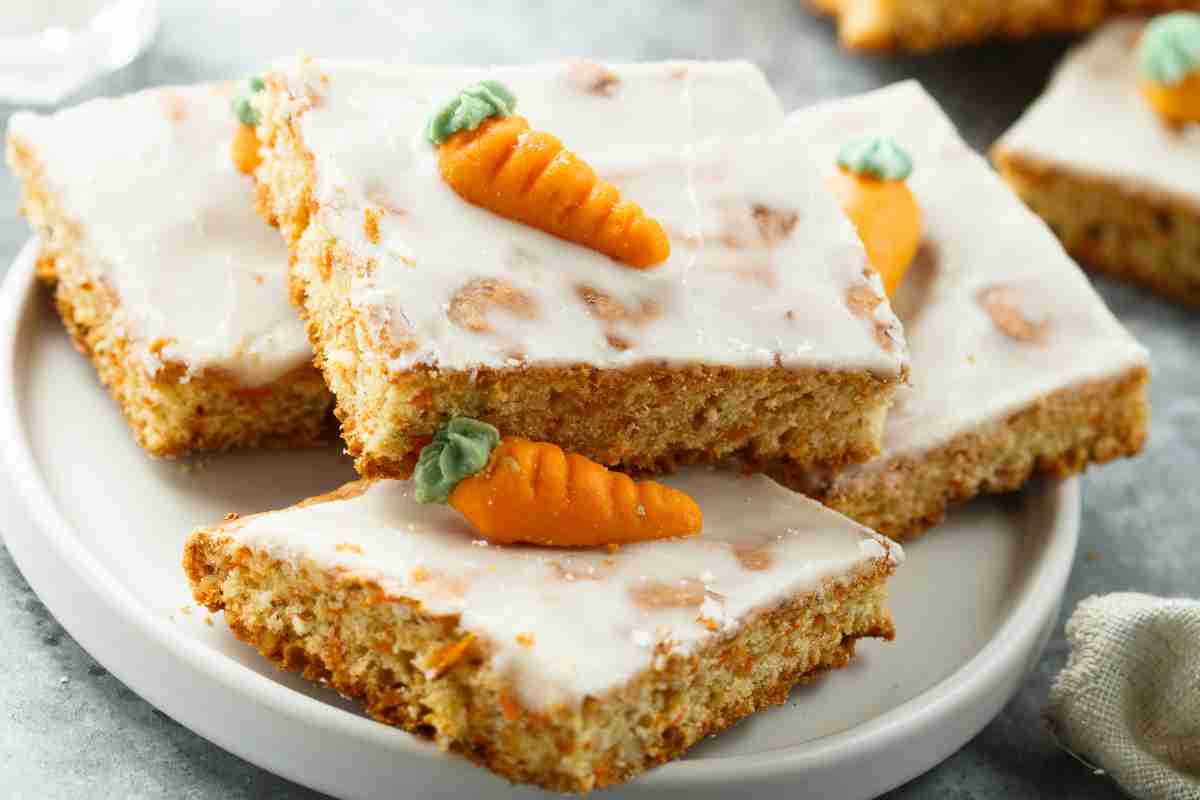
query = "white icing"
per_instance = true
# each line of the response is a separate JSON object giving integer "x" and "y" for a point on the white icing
{"x": 965, "y": 370}
{"x": 725, "y": 296}
{"x": 578, "y": 608}
{"x": 1094, "y": 120}
{"x": 169, "y": 224}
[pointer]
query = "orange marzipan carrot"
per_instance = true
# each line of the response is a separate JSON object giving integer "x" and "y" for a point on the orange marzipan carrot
{"x": 528, "y": 176}
{"x": 534, "y": 492}
{"x": 246, "y": 155}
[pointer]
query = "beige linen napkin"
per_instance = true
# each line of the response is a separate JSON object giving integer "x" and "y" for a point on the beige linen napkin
{"x": 1128, "y": 700}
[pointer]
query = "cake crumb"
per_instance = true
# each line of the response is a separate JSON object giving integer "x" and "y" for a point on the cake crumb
{"x": 525, "y": 639}
{"x": 446, "y": 657}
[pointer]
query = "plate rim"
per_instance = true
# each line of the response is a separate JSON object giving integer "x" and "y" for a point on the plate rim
{"x": 957, "y": 694}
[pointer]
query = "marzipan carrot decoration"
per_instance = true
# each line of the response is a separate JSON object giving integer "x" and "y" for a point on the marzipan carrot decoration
{"x": 870, "y": 185}
{"x": 245, "y": 142}
{"x": 1169, "y": 60}
{"x": 514, "y": 490}
{"x": 492, "y": 159}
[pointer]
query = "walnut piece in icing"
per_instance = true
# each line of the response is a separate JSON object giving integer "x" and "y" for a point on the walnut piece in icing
{"x": 653, "y": 594}
{"x": 774, "y": 225}
{"x": 753, "y": 556}
{"x": 1000, "y": 305}
{"x": 470, "y": 305}
{"x": 862, "y": 300}
{"x": 617, "y": 342}
{"x": 592, "y": 77}
{"x": 606, "y": 308}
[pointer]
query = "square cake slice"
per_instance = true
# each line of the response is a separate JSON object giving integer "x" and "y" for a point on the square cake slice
{"x": 1120, "y": 186}
{"x": 422, "y": 307}
{"x": 888, "y": 25}
{"x": 1018, "y": 367}
{"x": 164, "y": 275}
{"x": 568, "y": 669}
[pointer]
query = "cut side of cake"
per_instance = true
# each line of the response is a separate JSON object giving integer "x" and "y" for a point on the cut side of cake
{"x": 888, "y": 25}
{"x": 568, "y": 669}
{"x": 1119, "y": 185}
{"x": 163, "y": 274}
{"x": 422, "y": 307}
{"x": 1018, "y": 367}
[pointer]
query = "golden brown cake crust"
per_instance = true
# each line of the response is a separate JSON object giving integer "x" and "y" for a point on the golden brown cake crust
{"x": 1128, "y": 231}
{"x": 922, "y": 25}
{"x": 211, "y": 411}
{"x": 1058, "y": 435}
{"x": 345, "y": 631}
{"x": 645, "y": 418}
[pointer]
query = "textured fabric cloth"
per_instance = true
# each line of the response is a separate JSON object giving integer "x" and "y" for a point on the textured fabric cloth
{"x": 1128, "y": 700}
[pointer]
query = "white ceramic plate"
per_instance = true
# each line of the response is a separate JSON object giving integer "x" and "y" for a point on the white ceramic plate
{"x": 97, "y": 528}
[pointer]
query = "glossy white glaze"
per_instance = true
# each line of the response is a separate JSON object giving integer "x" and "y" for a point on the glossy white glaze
{"x": 982, "y": 248}
{"x": 169, "y": 224}
{"x": 1094, "y": 120}
{"x": 564, "y": 624}
{"x": 761, "y": 257}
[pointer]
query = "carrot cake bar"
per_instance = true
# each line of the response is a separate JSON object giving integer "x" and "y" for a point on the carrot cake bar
{"x": 1018, "y": 367}
{"x": 888, "y": 25}
{"x": 1116, "y": 180}
{"x": 165, "y": 276}
{"x": 422, "y": 306}
{"x": 568, "y": 669}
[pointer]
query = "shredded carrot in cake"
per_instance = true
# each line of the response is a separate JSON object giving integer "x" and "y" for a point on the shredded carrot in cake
{"x": 509, "y": 706}
{"x": 449, "y": 655}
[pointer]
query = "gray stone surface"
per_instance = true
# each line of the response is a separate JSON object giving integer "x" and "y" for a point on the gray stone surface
{"x": 68, "y": 729}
